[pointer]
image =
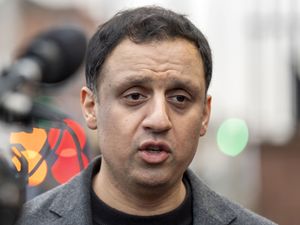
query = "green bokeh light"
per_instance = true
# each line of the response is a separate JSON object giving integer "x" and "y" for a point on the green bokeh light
{"x": 233, "y": 136}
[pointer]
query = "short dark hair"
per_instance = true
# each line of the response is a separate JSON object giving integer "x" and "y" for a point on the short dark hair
{"x": 141, "y": 25}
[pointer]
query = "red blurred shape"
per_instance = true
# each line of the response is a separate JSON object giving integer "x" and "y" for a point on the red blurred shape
{"x": 71, "y": 159}
{"x": 65, "y": 167}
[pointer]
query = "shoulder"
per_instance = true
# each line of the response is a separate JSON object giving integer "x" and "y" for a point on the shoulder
{"x": 66, "y": 204}
{"x": 210, "y": 206}
{"x": 36, "y": 210}
{"x": 245, "y": 216}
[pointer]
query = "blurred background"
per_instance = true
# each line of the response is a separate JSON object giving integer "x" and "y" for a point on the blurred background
{"x": 251, "y": 153}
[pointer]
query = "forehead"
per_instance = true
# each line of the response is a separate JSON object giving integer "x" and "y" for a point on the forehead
{"x": 168, "y": 59}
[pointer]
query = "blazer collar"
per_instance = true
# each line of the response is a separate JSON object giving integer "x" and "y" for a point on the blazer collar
{"x": 208, "y": 206}
{"x": 73, "y": 201}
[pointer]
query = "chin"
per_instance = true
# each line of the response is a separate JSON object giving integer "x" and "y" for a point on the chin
{"x": 154, "y": 181}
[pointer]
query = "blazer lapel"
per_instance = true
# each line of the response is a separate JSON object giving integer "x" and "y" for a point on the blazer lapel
{"x": 72, "y": 205}
{"x": 208, "y": 207}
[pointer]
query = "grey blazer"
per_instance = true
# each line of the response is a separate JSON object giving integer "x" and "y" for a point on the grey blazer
{"x": 69, "y": 204}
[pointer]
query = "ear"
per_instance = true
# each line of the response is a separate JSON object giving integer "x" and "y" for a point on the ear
{"x": 205, "y": 115}
{"x": 88, "y": 107}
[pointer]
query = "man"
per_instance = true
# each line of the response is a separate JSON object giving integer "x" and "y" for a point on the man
{"x": 148, "y": 71}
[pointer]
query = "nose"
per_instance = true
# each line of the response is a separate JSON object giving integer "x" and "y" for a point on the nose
{"x": 157, "y": 118}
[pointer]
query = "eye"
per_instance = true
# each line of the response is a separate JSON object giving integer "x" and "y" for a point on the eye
{"x": 180, "y": 100}
{"x": 134, "y": 98}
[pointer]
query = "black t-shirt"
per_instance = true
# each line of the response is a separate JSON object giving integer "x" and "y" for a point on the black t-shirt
{"x": 105, "y": 215}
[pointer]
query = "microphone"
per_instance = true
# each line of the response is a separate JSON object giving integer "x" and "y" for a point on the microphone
{"x": 50, "y": 58}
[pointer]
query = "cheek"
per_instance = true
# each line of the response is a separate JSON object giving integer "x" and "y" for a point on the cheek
{"x": 187, "y": 136}
{"x": 116, "y": 129}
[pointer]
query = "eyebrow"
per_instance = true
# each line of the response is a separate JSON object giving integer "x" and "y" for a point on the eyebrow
{"x": 132, "y": 80}
{"x": 185, "y": 83}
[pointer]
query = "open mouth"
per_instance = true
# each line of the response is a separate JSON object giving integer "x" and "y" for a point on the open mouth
{"x": 153, "y": 149}
{"x": 154, "y": 153}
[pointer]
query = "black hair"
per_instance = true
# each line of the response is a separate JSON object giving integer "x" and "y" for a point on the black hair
{"x": 142, "y": 25}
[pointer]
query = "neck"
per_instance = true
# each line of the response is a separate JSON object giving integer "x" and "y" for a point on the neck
{"x": 137, "y": 200}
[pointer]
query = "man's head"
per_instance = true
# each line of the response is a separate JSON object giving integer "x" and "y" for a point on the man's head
{"x": 149, "y": 108}
{"x": 142, "y": 25}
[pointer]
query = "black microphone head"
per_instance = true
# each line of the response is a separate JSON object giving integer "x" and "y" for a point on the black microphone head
{"x": 59, "y": 52}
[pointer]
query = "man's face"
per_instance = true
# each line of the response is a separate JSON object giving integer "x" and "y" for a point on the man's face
{"x": 150, "y": 112}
